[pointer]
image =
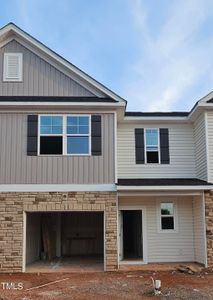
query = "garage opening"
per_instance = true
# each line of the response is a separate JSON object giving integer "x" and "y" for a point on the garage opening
{"x": 64, "y": 241}
{"x": 132, "y": 234}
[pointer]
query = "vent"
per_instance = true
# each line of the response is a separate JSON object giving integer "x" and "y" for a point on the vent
{"x": 12, "y": 67}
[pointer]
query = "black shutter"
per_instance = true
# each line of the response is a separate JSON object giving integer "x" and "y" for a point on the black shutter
{"x": 96, "y": 134}
{"x": 164, "y": 146}
{"x": 32, "y": 134}
{"x": 139, "y": 145}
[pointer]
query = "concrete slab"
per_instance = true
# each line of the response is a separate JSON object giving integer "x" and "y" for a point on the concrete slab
{"x": 68, "y": 264}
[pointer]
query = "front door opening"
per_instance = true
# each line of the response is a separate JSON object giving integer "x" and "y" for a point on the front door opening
{"x": 132, "y": 234}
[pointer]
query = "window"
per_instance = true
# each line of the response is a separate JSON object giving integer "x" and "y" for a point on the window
{"x": 13, "y": 67}
{"x": 64, "y": 135}
{"x": 51, "y": 135}
{"x": 152, "y": 145}
{"x": 167, "y": 216}
{"x": 77, "y": 135}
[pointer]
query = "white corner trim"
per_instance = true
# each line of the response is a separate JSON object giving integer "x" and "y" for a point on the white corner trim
{"x": 204, "y": 231}
{"x": 207, "y": 145}
{"x": 57, "y": 188}
{"x": 115, "y": 147}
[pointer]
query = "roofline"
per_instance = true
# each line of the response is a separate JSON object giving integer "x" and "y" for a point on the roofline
{"x": 164, "y": 188}
{"x": 68, "y": 99}
{"x": 12, "y": 27}
{"x": 157, "y": 114}
{"x": 9, "y": 104}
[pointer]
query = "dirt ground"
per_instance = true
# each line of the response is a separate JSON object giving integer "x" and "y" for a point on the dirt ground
{"x": 130, "y": 285}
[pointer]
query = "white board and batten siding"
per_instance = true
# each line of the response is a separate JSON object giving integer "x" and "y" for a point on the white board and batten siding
{"x": 179, "y": 246}
{"x": 181, "y": 147}
{"x": 200, "y": 147}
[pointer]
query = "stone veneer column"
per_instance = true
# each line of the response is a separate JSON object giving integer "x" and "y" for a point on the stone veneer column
{"x": 12, "y": 206}
{"x": 209, "y": 226}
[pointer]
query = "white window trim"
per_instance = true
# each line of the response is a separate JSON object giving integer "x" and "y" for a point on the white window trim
{"x": 175, "y": 216}
{"x": 20, "y": 57}
{"x": 145, "y": 151}
{"x": 64, "y": 134}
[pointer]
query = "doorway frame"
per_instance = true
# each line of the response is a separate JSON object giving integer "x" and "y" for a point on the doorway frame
{"x": 144, "y": 260}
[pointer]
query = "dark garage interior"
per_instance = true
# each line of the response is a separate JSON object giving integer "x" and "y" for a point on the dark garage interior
{"x": 60, "y": 240}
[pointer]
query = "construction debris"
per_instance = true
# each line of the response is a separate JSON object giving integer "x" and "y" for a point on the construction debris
{"x": 189, "y": 269}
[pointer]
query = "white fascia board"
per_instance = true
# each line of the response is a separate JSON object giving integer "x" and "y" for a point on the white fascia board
{"x": 6, "y": 188}
{"x": 199, "y": 108}
{"x": 155, "y": 119}
{"x": 158, "y": 193}
{"x": 58, "y": 58}
{"x": 165, "y": 188}
{"x": 50, "y": 104}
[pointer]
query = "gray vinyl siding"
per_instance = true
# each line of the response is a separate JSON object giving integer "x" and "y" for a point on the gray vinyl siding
{"x": 40, "y": 78}
{"x": 181, "y": 148}
{"x": 210, "y": 145}
{"x": 200, "y": 147}
{"x": 18, "y": 168}
{"x": 176, "y": 246}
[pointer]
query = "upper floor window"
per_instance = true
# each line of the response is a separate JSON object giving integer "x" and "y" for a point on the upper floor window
{"x": 13, "y": 68}
{"x": 152, "y": 145}
{"x": 64, "y": 135}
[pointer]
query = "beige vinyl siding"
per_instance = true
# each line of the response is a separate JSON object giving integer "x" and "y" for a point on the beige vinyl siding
{"x": 200, "y": 147}
{"x": 181, "y": 147}
{"x": 40, "y": 78}
{"x": 210, "y": 145}
{"x": 163, "y": 246}
{"x": 16, "y": 167}
{"x": 199, "y": 230}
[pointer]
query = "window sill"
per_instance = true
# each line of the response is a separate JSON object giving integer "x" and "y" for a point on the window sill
{"x": 63, "y": 155}
{"x": 167, "y": 231}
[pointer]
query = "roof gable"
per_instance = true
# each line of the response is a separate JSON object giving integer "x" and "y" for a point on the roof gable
{"x": 11, "y": 31}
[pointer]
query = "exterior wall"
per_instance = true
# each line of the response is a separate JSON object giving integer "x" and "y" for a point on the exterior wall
{"x": 33, "y": 238}
{"x": 163, "y": 246}
{"x": 210, "y": 144}
{"x": 200, "y": 147}
{"x": 40, "y": 78}
{"x": 18, "y": 168}
{"x": 182, "y": 153}
{"x": 12, "y": 206}
{"x": 209, "y": 226}
{"x": 199, "y": 230}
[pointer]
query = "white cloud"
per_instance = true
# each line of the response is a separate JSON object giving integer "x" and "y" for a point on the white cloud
{"x": 172, "y": 59}
{"x": 23, "y": 11}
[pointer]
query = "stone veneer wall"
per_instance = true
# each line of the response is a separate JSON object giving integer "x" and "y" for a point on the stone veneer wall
{"x": 12, "y": 206}
{"x": 209, "y": 226}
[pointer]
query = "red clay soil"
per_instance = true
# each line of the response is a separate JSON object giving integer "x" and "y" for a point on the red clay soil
{"x": 118, "y": 285}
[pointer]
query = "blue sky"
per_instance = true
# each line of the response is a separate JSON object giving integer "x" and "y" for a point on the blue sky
{"x": 157, "y": 54}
